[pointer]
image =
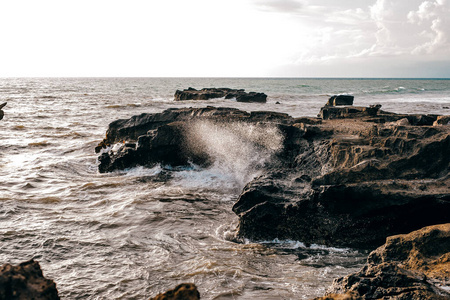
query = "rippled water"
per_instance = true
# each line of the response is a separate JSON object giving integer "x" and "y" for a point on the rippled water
{"x": 132, "y": 234}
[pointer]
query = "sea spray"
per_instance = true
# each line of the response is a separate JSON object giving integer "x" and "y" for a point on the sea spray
{"x": 238, "y": 150}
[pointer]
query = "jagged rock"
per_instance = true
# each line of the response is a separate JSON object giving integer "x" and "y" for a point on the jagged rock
{"x": 184, "y": 291}
{"x": 349, "y": 181}
{"x": 340, "y": 100}
{"x": 150, "y": 139}
{"x": 409, "y": 266}
{"x": 2, "y": 113}
{"x": 26, "y": 281}
{"x": 212, "y": 93}
{"x": 442, "y": 120}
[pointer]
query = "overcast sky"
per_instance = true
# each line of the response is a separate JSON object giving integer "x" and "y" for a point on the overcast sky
{"x": 288, "y": 38}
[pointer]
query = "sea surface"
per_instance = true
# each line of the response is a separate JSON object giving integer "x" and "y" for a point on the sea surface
{"x": 135, "y": 233}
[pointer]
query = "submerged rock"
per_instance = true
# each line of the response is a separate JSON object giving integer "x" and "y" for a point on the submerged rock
{"x": 409, "y": 266}
{"x": 26, "y": 281}
{"x": 184, "y": 291}
{"x": 212, "y": 93}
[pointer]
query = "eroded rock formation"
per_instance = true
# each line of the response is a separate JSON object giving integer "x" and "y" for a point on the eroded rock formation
{"x": 350, "y": 178}
{"x": 212, "y": 93}
{"x": 409, "y": 266}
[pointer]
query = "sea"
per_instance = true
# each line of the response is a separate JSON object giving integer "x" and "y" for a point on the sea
{"x": 135, "y": 233}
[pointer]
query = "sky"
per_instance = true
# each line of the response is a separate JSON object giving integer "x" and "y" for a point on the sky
{"x": 225, "y": 38}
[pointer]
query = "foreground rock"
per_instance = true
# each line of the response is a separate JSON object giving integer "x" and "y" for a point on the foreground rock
{"x": 212, "y": 93}
{"x": 410, "y": 266}
{"x": 349, "y": 179}
{"x": 26, "y": 281}
{"x": 184, "y": 291}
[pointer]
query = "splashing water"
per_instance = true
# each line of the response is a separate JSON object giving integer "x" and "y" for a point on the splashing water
{"x": 239, "y": 150}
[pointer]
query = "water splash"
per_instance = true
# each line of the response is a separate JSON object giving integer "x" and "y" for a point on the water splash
{"x": 238, "y": 150}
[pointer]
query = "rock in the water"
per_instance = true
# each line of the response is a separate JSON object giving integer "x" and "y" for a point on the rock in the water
{"x": 212, "y": 93}
{"x": 409, "y": 266}
{"x": 351, "y": 183}
{"x": 340, "y": 100}
{"x": 348, "y": 181}
{"x": 184, "y": 291}
{"x": 150, "y": 139}
{"x": 2, "y": 113}
{"x": 26, "y": 281}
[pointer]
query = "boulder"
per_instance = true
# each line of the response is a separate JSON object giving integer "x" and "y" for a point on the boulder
{"x": 184, "y": 291}
{"x": 26, "y": 281}
{"x": 408, "y": 266}
{"x": 211, "y": 93}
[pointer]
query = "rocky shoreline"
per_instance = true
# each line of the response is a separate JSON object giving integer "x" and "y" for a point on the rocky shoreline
{"x": 351, "y": 177}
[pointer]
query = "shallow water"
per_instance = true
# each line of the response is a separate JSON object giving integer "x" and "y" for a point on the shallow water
{"x": 132, "y": 234}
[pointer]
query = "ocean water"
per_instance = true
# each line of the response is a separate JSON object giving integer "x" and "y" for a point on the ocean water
{"x": 132, "y": 234}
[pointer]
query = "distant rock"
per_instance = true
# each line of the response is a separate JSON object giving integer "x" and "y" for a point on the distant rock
{"x": 184, "y": 291}
{"x": 212, "y": 93}
{"x": 408, "y": 266}
{"x": 340, "y": 100}
{"x": 26, "y": 281}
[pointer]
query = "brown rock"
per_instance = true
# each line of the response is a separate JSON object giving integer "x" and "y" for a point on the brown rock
{"x": 409, "y": 266}
{"x": 26, "y": 281}
{"x": 184, "y": 291}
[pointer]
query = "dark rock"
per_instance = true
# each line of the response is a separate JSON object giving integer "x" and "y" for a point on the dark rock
{"x": 212, "y": 93}
{"x": 2, "y": 113}
{"x": 409, "y": 266}
{"x": 340, "y": 100}
{"x": 184, "y": 291}
{"x": 349, "y": 180}
{"x": 26, "y": 281}
{"x": 150, "y": 139}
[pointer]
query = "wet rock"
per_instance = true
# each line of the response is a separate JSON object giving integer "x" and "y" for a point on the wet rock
{"x": 409, "y": 266}
{"x": 150, "y": 139}
{"x": 340, "y": 100}
{"x": 2, "y": 113}
{"x": 211, "y": 93}
{"x": 26, "y": 281}
{"x": 184, "y": 291}
{"x": 351, "y": 182}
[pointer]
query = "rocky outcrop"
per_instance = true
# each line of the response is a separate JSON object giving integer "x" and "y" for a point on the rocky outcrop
{"x": 26, "y": 281}
{"x": 212, "y": 93}
{"x": 350, "y": 178}
{"x": 2, "y": 113}
{"x": 184, "y": 291}
{"x": 409, "y": 266}
{"x": 352, "y": 182}
{"x": 163, "y": 138}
